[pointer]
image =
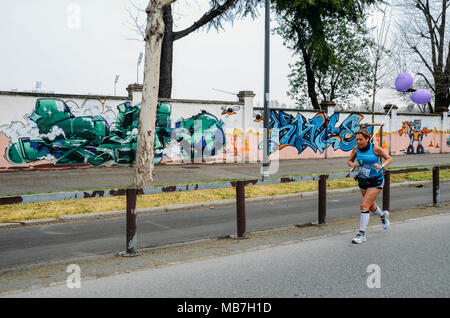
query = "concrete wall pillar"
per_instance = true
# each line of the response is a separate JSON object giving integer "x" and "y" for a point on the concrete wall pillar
{"x": 328, "y": 108}
{"x": 247, "y": 97}
{"x": 390, "y": 122}
{"x": 445, "y": 126}
{"x": 135, "y": 93}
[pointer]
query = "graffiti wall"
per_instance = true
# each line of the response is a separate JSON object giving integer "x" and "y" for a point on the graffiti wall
{"x": 309, "y": 135}
{"x": 52, "y": 132}
{"x": 419, "y": 135}
{"x": 38, "y": 133}
{"x": 59, "y": 133}
{"x": 317, "y": 134}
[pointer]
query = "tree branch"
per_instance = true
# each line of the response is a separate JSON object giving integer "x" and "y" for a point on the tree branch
{"x": 166, "y": 3}
{"x": 426, "y": 80}
{"x": 447, "y": 66}
{"x": 434, "y": 41}
{"x": 138, "y": 28}
{"x": 334, "y": 85}
{"x": 319, "y": 84}
{"x": 441, "y": 36}
{"x": 206, "y": 18}
{"x": 414, "y": 48}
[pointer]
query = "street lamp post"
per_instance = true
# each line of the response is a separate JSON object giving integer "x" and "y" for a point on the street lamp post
{"x": 266, "y": 161}
{"x": 141, "y": 55}
{"x": 115, "y": 84}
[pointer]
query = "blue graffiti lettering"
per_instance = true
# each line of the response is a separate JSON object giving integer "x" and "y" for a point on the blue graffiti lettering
{"x": 318, "y": 133}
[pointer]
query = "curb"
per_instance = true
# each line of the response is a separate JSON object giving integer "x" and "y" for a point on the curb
{"x": 199, "y": 205}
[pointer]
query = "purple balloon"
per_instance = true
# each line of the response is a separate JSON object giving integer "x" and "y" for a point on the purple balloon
{"x": 421, "y": 96}
{"x": 403, "y": 82}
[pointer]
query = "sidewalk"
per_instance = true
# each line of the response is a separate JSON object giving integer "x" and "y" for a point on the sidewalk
{"x": 21, "y": 182}
{"x": 54, "y": 273}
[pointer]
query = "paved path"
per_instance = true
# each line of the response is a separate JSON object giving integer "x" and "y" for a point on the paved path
{"x": 23, "y": 182}
{"x": 411, "y": 259}
{"x": 45, "y": 243}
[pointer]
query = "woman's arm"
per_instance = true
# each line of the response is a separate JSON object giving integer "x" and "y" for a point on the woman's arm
{"x": 352, "y": 158}
{"x": 383, "y": 154}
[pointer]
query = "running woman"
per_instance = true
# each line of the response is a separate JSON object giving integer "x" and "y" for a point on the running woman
{"x": 366, "y": 157}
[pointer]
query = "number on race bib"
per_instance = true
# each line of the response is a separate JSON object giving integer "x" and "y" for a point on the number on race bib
{"x": 364, "y": 172}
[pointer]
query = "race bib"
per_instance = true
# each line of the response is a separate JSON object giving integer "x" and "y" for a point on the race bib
{"x": 364, "y": 171}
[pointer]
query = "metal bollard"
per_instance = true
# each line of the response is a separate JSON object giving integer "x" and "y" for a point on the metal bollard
{"x": 131, "y": 247}
{"x": 387, "y": 191}
{"x": 436, "y": 186}
{"x": 240, "y": 210}
{"x": 323, "y": 199}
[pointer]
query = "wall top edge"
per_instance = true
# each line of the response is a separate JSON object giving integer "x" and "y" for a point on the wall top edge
{"x": 278, "y": 108}
{"x": 120, "y": 98}
{"x": 315, "y": 110}
{"x": 348, "y": 112}
{"x": 419, "y": 114}
{"x": 199, "y": 101}
{"x": 54, "y": 95}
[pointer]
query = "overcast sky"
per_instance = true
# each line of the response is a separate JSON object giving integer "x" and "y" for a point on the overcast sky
{"x": 41, "y": 40}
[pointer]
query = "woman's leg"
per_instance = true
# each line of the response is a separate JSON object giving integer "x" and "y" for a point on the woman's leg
{"x": 360, "y": 236}
{"x": 367, "y": 205}
{"x": 373, "y": 207}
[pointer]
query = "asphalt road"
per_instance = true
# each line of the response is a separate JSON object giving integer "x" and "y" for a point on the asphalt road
{"x": 24, "y": 182}
{"x": 411, "y": 259}
{"x": 31, "y": 245}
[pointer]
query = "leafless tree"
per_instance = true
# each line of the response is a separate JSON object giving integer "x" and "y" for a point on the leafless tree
{"x": 425, "y": 35}
{"x": 154, "y": 33}
{"x": 218, "y": 12}
{"x": 380, "y": 50}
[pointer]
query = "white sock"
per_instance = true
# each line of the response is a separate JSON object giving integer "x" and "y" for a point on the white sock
{"x": 365, "y": 216}
{"x": 377, "y": 212}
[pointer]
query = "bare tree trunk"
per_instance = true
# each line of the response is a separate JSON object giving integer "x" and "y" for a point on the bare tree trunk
{"x": 165, "y": 82}
{"x": 311, "y": 81}
{"x": 441, "y": 96}
{"x": 165, "y": 89}
{"x": 170, "y": 36}
{"x": 146, "y": 134}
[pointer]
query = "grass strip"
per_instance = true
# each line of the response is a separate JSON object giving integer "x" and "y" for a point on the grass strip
{"x": 42, "y": 210}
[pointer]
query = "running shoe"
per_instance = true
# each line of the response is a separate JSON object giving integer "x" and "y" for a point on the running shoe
{"x": 385, "y": 220}
{"x": 359, "y": 238}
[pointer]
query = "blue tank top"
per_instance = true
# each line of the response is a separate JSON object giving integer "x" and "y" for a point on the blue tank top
{"x": 366, "y": 159}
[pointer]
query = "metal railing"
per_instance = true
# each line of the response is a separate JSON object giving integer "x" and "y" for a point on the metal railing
{"x": 131, "y": 196}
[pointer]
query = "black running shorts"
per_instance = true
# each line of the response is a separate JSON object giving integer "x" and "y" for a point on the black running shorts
{"x": 367, "y": 183}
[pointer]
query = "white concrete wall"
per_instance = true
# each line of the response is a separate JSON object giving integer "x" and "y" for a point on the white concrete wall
{"x": 239, "y": 120}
